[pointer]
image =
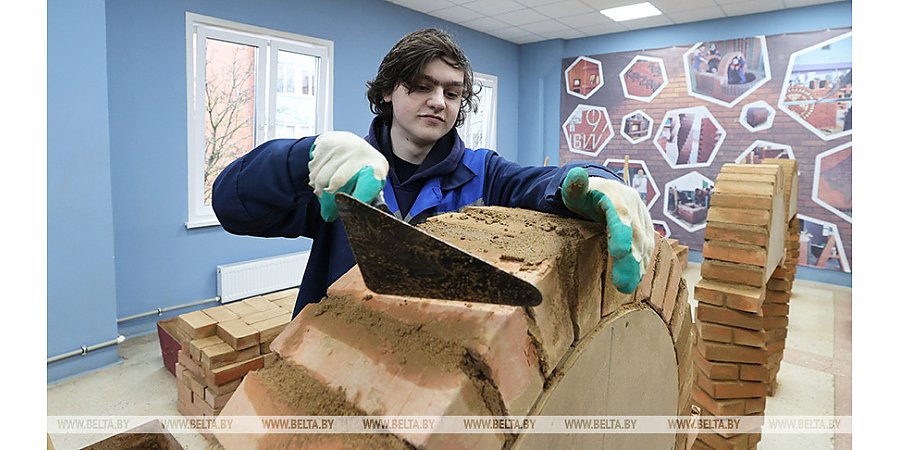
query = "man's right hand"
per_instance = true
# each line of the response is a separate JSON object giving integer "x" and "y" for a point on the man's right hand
{"x": 344, "y": 162}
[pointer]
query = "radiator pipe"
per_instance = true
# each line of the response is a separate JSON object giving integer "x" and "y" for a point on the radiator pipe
{"x": 86, "y": 348}
{"x": 160, "y": 311}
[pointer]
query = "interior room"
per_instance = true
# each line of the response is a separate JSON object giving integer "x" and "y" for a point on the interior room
{"x": 156, "y": 109}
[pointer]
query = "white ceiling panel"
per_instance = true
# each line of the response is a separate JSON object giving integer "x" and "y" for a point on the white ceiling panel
{"x": 526, "y": 21}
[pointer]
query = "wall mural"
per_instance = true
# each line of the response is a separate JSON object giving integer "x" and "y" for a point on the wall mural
{"x": 678, "y": 113}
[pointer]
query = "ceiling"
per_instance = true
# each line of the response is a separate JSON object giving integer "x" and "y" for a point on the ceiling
{"x": 525, "y": 21}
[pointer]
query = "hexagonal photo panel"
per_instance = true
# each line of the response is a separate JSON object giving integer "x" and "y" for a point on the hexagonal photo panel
{"x": 760, "y": 150}
{"x": 636, "y": 127}
{"x": 687, "y": 200}
{"x": 639, "y": 178}
{"x": 818, "y": 88}
{"x": 588, "y": 130}
{"x": 820, "y": 245}
{"x": 725, "y": 72}
{"x": 757, "y": 116}
{"x": 662, "y": 228}
{"x": 584, "y": 77}
{"x": 644, "y": 78}
{"x": 689, "y": 137}
{"x": 833, "y": 179}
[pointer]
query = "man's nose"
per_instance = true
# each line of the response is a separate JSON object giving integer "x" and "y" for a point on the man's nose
{"x": 436, "y": 100}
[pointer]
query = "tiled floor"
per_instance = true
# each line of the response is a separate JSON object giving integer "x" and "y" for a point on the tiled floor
{"x": 814, "y": 379}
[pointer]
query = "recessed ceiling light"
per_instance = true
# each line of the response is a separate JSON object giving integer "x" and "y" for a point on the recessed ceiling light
{"x": 630, "y": 12}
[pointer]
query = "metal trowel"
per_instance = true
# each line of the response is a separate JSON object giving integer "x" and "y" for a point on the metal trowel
{"x": 396, "y": 258}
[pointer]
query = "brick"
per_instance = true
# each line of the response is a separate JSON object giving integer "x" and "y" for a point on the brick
{"x": 771, "y": 323}
{"x": 612, "y": 298}
{"x": 260, "y": 316}
{"x": 676, "y": 286}
{"x": 716, "y": 370}
{"x": 270, "y": 328}
{"x": 754, "y": 372}
{"x": 661, "y": 276}
{"x": 775, "y": 309}
{"x": 241, "y": 309}
{"x": 234, "y": 371}
{"x": 739, "y": 234}
{"x": 750, "y": 338}
{"x": 730, "y": 317}
{"x": 197, "y": 383}
{"x": 644, "y": 289}
{"x": 221, "y": 389}
{"x": 775, "y": 284}
{"x": 716, "y": 333}
{"x": 189, "y": 364}
{"x": 185, "y": 394}
{"x": 734, "y": 407}
{"x": 713, "y": 351}
{"x": 733, "y": 273}
{"x": 739, "y": 216}
{"x": 197, "y": 324}
{"x": 729, "y": 200}
{"x": 220, "y": 313}
{"x": 219, "y": 355}
{"x": 238, "y": 334}
{"x": 681, "y": 314}
{"x": 737, "y": 253}
{"x": 723, "y": 390}
{"x": 216, "y": 401}
{"x": 776, "y": 346}
{"x": 260, "y": 303}
{"x": 735, "y": 296}
{"x": 778, "y": 334}
{"x": 198, "y": 345}
{"x": 773, "y": 297}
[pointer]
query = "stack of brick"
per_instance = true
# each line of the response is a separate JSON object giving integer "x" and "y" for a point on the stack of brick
{"x": 362, "y": 353}
{"x": 778, "y": 288}
{"x": 744, "y": 243}
{"x": 222, "y": 344}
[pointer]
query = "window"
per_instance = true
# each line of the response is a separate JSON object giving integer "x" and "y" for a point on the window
{"x": 480, "y": 129}
{"x": 247, "y": 85}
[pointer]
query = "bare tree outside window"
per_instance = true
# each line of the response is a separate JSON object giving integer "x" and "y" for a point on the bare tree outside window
{"x": 229, "y": 109}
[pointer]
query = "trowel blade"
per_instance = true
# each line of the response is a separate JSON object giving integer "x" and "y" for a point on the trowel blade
{"x": 396, "y": 258}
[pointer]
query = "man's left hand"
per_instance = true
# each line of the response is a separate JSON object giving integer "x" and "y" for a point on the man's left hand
{"x": 629, "y": 228}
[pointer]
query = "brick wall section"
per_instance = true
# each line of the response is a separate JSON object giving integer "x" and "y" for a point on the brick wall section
{"x": 785, "y": 130}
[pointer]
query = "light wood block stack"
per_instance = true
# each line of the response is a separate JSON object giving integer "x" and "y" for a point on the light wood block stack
{"x": 220, "y": 345}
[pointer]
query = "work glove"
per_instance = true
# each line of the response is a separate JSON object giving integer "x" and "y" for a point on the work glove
{"x": 344, "y": 162}
{"x": 628, "y": 226}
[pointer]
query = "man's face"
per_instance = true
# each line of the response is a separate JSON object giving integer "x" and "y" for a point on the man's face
{"x": 427, "y": 109}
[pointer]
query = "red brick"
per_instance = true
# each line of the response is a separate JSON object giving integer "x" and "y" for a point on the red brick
{"x": 775, "y": 309}
{"x": 723, "y": 390}
{"x": 730, "y": 317}
{"x": 716, "y": 333}
{"x": 731, "y": 353}
{"x": 750, "y": 337}
{"x": 754, "y": 372}
{"x": 733, "y": 273}
{"x": 197, "y": 324}
{"x": 736, "y": 253}
{"x": 716, "y": 370}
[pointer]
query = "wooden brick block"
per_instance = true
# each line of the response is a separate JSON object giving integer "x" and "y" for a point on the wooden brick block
{"x": 736, "y": 253}
{"x": 197, "y": 324}
{"x": 241, "y": 308}
{"x": 219, "y": 355}
{"x": 198, "y": 345}
{"x": 220, "y": 313}
{"x": 270, "y": 328}
{"x": 238, "y": 334}
{"x": 713, "y": 351}
{"x": 730, "y": 317}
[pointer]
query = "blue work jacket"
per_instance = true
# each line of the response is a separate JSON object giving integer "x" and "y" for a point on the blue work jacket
{"x": 266, "y": 193}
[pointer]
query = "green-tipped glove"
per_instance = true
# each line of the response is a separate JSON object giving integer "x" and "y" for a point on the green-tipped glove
{"x": 629, "y": 228}
{"x": 344, "y": 162}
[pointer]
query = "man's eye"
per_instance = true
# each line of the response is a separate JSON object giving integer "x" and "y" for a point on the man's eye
{"x": 452, "y": 95}
{"x": 422, "y": 88}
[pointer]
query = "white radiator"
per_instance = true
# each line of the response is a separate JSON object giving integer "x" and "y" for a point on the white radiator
{"x": 260, "y": 276}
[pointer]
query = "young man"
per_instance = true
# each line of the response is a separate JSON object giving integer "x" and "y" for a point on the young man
{"x": 422, "y": 92}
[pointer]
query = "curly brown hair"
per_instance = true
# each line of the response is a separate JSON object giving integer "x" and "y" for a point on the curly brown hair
{"x": 406, "y": 62}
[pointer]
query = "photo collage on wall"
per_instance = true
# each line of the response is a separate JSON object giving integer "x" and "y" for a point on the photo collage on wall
{"x": 677, "y": 114}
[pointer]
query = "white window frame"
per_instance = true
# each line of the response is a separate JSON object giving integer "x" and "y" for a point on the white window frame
{"x": 490, "y": 110}
{"x": 269, "y": 42}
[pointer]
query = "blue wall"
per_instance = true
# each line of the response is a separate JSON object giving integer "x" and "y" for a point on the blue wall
{"x": 540, "y": 64}
{"x": 81, "y": 290}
